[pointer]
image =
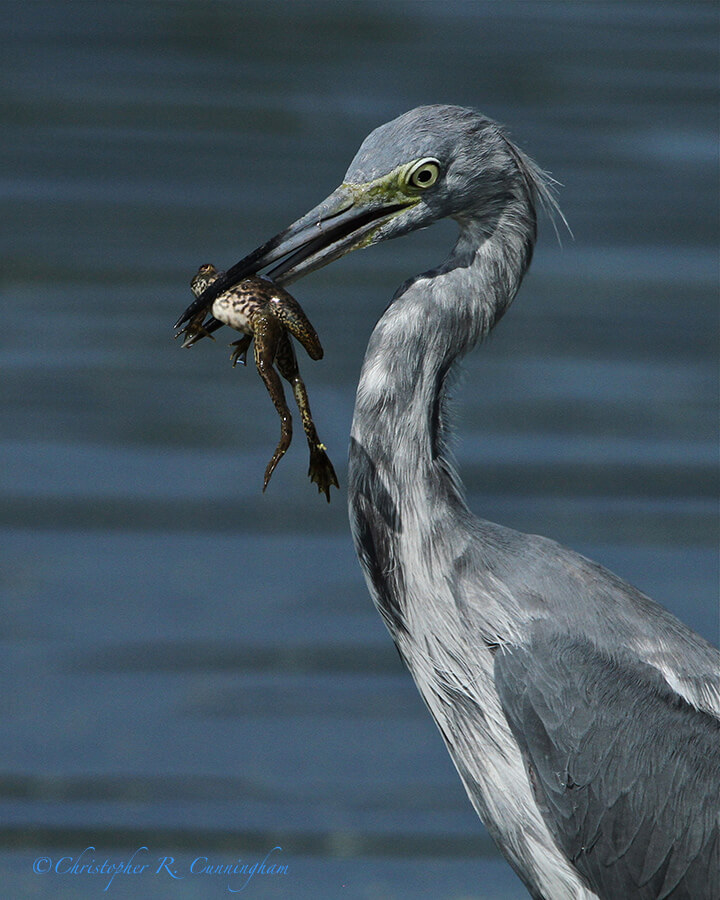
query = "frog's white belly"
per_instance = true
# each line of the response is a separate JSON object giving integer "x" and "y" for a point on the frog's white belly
{"x": 233, "y": 311}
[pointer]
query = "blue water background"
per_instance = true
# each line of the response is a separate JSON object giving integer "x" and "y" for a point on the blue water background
{"x": 195, "y": 667}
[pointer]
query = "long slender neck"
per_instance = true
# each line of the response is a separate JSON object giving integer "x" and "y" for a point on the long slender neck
{"x": 399, "y": 477}
{"x": 432, "y": 322}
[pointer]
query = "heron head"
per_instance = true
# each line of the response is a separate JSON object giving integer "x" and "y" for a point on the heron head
{"x": 442, "y": 160}
{"x": 431, "y": 162}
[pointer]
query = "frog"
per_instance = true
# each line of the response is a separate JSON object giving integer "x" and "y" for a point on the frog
{"x": 264, "y": 311}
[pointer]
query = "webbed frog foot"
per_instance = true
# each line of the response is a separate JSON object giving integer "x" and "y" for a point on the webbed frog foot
{"x": 321, "y": 470}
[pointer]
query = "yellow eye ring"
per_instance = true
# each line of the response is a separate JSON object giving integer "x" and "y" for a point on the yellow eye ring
{"x": 423, "y": 174}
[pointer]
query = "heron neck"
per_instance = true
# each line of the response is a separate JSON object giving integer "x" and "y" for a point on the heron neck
{"x": 433, "y": 321}
{"x": 400, "y": 477}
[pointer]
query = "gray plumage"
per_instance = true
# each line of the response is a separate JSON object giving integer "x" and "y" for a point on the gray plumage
{"x": 583, "y": 718}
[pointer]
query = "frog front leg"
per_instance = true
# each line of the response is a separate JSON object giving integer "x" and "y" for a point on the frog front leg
{"x": 239, "y": 354}
{"x": 321, "y": 470}
{"x": 268, "y": 331}
{"x": 194, "y": 330}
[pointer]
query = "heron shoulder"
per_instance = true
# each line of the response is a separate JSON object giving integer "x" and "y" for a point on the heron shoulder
{"x": 534, "y": 580}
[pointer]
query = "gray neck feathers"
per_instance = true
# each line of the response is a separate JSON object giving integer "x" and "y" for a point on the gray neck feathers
{"x": 433, "y": 321}
{"x": 400, "y": 479}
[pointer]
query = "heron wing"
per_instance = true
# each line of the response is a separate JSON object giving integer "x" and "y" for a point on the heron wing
{"x": 626, "y": 772}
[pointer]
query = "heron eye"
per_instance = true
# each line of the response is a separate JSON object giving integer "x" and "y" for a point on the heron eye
{"x": 424, "y": 174}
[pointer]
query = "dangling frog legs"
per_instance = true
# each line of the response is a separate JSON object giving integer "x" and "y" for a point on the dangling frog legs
{"x": 262, "y": 309}
{"x": 321, "y": 470}
{"x": 268, "y": 331}
{"x": 272, "y": 344}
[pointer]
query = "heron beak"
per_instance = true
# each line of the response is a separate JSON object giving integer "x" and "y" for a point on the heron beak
{"x": 344, "y": 221}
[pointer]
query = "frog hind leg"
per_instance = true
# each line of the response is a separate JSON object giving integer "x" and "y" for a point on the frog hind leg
{"x": 291, "y": 314}
{"x": 321, "y": 470}
{"x": 268, "y": 331}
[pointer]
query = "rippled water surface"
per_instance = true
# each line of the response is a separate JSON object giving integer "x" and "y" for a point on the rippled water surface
{"x": 192, "y": 666}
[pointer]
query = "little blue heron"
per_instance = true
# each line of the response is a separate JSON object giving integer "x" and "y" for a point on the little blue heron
{"x": 582, "y": 717}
